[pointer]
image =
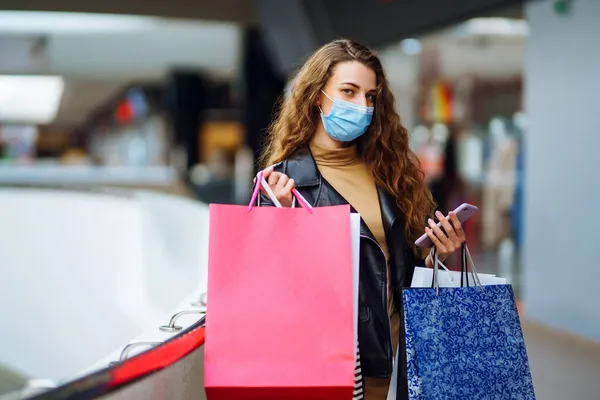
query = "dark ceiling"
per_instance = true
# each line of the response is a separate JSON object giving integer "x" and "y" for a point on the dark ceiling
{"x": 240, "y": 11}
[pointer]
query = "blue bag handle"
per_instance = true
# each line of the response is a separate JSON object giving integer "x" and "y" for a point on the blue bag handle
{"x": 467, "y": 267}
{"x": 464, "y": 270}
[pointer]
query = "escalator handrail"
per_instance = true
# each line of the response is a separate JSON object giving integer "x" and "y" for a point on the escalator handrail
{"x": 101, "y": 382}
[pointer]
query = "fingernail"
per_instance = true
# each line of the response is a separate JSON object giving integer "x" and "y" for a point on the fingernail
{"x": 439, "y": 214}
{"x": 430, "y": 221}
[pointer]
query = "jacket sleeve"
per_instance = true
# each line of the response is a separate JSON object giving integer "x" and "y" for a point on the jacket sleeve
{"x": 264, "y": 201}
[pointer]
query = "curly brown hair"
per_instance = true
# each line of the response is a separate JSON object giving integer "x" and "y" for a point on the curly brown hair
{"x": 384, "y": 147}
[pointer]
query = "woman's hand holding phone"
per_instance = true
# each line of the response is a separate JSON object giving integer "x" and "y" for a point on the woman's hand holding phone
{"x": 448, "y": 240}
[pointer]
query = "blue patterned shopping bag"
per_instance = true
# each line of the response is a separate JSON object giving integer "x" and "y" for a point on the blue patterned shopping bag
{"x": 465, "y": 343}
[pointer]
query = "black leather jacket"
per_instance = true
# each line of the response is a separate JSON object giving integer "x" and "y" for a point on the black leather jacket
{"x": 374, "y": 333}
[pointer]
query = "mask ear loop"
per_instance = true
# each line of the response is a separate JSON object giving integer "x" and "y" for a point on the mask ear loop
{"x": 326, "y": 95}
{"x": 330, "y": 99}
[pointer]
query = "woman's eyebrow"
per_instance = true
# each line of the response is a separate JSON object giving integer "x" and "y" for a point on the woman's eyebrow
{"x": 356, "y": 86}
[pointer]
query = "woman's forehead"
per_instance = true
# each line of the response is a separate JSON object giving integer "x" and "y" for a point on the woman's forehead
{"x": 356, "y": 73}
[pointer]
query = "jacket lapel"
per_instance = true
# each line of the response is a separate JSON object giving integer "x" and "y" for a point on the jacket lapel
{"x": 302, "y": 166}
{"x": 390, "y": 212}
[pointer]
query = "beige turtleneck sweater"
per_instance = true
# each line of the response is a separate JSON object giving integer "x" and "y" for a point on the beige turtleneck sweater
{"x": 349, "y": 175}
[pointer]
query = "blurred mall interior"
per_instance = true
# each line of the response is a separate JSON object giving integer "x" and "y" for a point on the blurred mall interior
{"x": 148, "y": 98}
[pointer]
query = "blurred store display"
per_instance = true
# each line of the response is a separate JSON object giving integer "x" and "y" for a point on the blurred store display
{"x": 19, "y": 142}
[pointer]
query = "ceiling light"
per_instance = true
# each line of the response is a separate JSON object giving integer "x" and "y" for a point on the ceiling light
{"x": 39, "y": 22}
{"x": 30, "y": 99}
{"x": 411, "y": 46}
{"x": 496, "y": 26}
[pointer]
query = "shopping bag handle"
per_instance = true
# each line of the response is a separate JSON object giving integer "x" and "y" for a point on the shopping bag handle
{"x": 433, "y": 255}
{"x": 468, "y": 266}
{"x": 436, "y": 266}
{"x": 261, "y": 181}
{"x": 464, "y": 268}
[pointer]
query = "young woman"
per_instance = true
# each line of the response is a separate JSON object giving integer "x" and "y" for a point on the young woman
{"x": 338, "y": 140}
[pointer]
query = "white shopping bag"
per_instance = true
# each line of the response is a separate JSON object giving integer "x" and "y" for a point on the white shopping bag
{"x": 355, "y": 230}
{"x": 424, "y": 276}
{"x": 394, "y": 380}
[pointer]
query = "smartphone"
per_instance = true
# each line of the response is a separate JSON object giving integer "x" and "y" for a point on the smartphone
{"x": 463, "y": 212}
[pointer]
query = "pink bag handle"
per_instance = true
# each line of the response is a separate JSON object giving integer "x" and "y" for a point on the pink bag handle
{"x": 260, "y": 181}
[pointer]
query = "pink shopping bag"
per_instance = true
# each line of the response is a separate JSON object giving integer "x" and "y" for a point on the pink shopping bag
{"x": 280, "y": 300}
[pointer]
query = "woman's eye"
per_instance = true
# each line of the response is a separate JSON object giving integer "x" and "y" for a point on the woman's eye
{"x": 370, "y": 97}
{"x": 348, "y": 91}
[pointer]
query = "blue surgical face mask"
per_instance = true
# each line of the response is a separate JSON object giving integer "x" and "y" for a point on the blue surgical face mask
{"x": 346, "y": 121}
